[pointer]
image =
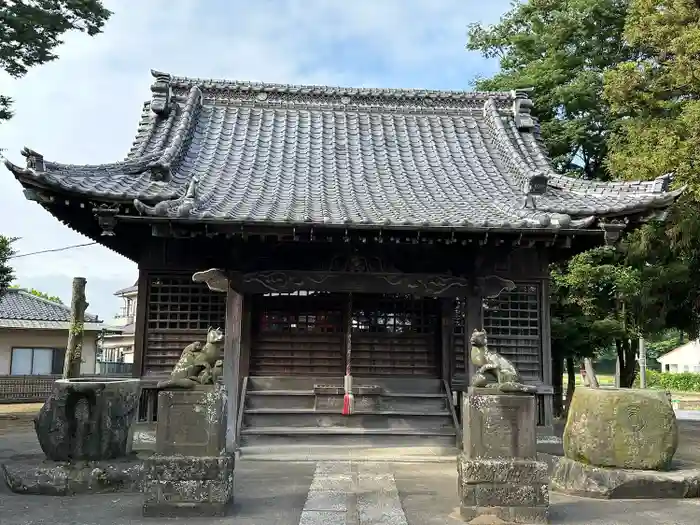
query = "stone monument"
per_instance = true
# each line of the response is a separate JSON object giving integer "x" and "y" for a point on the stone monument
{"x": 84, "y": 430}
{"x": 190, "y": 474}
{"x": 619, "y": 443}
{"x": 498, "y": 471}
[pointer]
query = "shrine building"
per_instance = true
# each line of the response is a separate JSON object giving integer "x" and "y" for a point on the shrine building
{"x": 379, "y": 225}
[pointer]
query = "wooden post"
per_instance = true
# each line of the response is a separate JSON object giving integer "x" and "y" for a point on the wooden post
{"x": 74, "y": 351}
{"x": 232, "y": 358}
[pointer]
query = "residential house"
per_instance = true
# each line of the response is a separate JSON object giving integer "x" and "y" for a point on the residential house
{"x": 33, "y": 339}
{"x": 118, "y": 340}
{"x": 685, "y": 358}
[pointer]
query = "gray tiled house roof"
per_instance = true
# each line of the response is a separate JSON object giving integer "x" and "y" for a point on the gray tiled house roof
{"x": 267, "y": 153}
{"x": 21, "y": 309}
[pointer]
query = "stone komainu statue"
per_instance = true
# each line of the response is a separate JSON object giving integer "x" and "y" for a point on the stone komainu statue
{"x": 494, "y": 370}
{"x": 199, "y": 364}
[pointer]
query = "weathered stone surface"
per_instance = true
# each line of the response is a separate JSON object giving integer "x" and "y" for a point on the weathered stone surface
{"x": 499, "y": 425}
{"x": 499, "y": 477}
{"x": 516, "y": 471}
{"x": 66, "y": 479}
{"x": 191, "y": 422}
{"x": 578, "y": 479}
{"x": 180, "y": 486}
{"x": 478, "y": 515}
{"x": 621, "y": 428}
{"x": 88, "y": 419}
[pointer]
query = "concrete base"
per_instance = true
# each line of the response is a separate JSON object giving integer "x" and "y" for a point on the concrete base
{"x": 182, "y": 486}
{"x": 578, "y": 479}
{"x": 513, "y": 490}
{"x": 50, "y": 478}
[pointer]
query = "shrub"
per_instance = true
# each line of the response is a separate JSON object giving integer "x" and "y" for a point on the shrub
{"x": 680, "y": 382}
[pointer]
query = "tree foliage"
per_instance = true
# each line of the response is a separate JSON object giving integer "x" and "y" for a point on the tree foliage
{"x": 561, "y": 49}
{"x": 7, "y": 274}
{"x": 617, "y": 94}
{"x": 30, "y": 31}
{"x": 43, "y": 295}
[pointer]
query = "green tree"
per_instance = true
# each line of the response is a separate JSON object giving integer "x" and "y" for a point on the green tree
{"x": 561, "y": 50}
{"x": 30, "y": 31}
{"x": 656, "y": 97}
{"x": 7, "y": 274}
{"x": 43, "y": 295}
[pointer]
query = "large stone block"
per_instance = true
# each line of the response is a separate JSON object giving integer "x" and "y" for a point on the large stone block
{"x": 498, "y": 425}
{"x": 577, "y": 479}
{"x": 179, "y": 486}
{"x": 621, "y": 428}
{"x": 191, "y": 422}
{"x": 86, "y": 419}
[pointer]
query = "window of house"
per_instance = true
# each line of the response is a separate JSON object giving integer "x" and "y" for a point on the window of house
{"x": 696, "y": 368}
{"x": 686, "y": 368}
{"x": 36, "y": 361}
{"x": 667, "y": 368}
{"x": 674, "y": 368}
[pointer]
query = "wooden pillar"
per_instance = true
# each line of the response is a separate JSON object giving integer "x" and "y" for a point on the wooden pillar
{"x": 474, "y": 321}
{"x": 232, "y": 357}
{"x": 141, "y": 330}
{"x": 546, "y": 331}
{"x": 446, "y": 339}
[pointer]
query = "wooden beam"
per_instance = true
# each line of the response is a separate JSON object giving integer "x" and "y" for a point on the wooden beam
{"x": 427, "y": 285}
{"x": 232, "y": 357}
{"x": 74, "y": 350}
{"x": 140, "y": 329}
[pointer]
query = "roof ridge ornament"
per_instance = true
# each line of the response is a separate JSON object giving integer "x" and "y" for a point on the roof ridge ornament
{"x": 179, "y": 207}
{"x": 35, "y": 160}
{"x": 522, "y": 105}
{"x": 536, "y": 184}
{"x": 161, "y": 103}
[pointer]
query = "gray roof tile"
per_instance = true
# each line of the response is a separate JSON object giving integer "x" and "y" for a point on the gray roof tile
{"x": 272, "y": 153}
{"x": 20, "y": 305}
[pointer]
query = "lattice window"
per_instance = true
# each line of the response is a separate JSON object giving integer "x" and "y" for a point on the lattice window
{"x": 177, "y": 303}
{"x": 179, "y": 312}
{"x": 300, "y": 312}
{"x": 459, "y": 322}
{"x": 395, "y": 314}
{"x": 513, "y": 324}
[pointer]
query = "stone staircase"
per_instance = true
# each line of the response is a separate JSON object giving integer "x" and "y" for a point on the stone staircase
{"x": 299, "y": 419}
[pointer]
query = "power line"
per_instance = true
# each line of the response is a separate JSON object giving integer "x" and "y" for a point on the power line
{"x": 52, "y": 250}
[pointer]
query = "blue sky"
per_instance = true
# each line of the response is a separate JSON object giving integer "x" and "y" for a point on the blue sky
{"x": 84, "y": 107}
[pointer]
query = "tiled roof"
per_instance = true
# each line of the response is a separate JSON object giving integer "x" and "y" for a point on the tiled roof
{"x": 266, "y": 153}
{"x": 128, "y": 289}
{"x": 20, "y": 305}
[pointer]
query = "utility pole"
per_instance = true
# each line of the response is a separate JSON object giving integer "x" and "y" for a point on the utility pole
{"x": 642, "y": 363}
{"x": 74, "y": 350}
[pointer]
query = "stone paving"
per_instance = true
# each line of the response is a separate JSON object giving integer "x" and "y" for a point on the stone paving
{"x": 270, "y": 493}
{"x": 334, "y": 493}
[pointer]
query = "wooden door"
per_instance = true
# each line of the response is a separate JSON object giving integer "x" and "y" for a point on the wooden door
{"x": 298, "y": 334}
{"x": 395, "y": 335}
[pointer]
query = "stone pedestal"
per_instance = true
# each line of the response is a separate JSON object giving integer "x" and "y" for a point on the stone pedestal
{"x": 498, "y": 473}
{"x": 190, "y": 474}
{"x": 187, "y": 486}
{"x": 191, "y": 422}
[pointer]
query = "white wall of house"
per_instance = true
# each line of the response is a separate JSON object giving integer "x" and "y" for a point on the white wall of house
{"x": 685, "y": 358}
{"x": 40, "y": 341}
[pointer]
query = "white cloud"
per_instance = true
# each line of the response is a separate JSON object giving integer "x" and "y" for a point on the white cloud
{"x": 83, "y": 108}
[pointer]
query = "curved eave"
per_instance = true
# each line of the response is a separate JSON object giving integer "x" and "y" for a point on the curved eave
{"x": 53, "y": 182}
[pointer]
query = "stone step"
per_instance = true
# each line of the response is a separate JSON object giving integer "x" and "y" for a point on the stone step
{"x": 295, "y": 453}
{"x": 305, "y": 399}
{"x": 299, "y": 418}
{"x": 346, "y": 436}
{"x": 388, "y": 385}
